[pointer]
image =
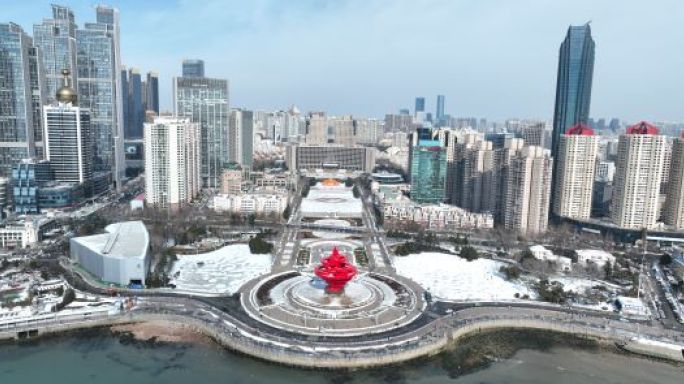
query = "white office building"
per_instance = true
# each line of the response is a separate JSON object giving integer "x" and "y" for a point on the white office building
{"x": 67, "y": 137}
{"x": 172, "y": 161}
{"x": 251, "y": 203}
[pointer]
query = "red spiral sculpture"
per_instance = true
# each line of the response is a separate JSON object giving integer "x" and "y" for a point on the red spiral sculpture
{"x": 336, "y": 271}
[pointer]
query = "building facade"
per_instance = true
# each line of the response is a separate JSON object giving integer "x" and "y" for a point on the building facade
{"x": 152, "y": 92}
{"x": 251, "y": 203}
{"x": 528, "y": 187}
{"x": 576, "y": 168}
{"x": 674, "y": 203}
{"x": 21, "y": 97}
{"x": 56, "y": 39}
{"x": 135, "y": 108}
{"x": 636, "y": 188}
{"x": 172, "y": 161}
{"x": 311, "y": 157}
{"x": 205, "y": 101}
{"x": 120, "y": 256}
{"x": 573, "y": 83}
{"x": 98, "y": 90}
{"x": 241, "y": 137}
{"x": 68, "y": 137}
{"x": 428, "y": 172}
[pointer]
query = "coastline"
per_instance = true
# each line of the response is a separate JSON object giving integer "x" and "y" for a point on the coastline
{"x": 440, "y": 337}
{"x": 470, "y": 353}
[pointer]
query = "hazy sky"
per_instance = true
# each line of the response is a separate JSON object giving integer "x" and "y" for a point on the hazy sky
{"x": 494, "y": 59}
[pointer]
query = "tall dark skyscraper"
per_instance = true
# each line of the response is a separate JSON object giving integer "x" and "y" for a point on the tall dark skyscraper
{"x": 152, "y": 93}
{"x": 125, "y": 113}
{"x": 573, "y": 87}
{"x": 193, "y": 68}
{"x": 136, "y": 114}
{"x": 440, "y": 109}
{"x": 420, "y": 104}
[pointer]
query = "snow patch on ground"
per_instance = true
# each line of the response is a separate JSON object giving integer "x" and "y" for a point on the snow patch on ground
{"x": 580, "y": 285}
{"x": 222, "y": 271}
{"x": 450, "y": 277}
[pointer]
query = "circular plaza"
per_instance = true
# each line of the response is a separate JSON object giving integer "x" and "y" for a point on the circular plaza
{"x": 333, "y": 297}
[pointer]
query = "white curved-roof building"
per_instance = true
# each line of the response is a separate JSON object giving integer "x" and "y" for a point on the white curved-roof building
{"x": 120, "y": 256}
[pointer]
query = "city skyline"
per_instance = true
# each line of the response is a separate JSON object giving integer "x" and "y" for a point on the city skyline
{"x": 511, "y": 73}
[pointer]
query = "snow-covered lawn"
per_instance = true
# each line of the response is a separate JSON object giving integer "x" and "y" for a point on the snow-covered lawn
{"x": 580, "y": 285}
{"x": 222, "y": 271}
{"x": 331, "y": 201}
{"x": 450, "y": 277}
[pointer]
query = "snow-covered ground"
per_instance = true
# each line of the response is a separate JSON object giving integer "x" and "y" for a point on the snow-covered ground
{"x": 221, "y": 272}
{"x": 450, "y": 277}
{"x": 331, "y": 201}
{"x": 580, "y": 285}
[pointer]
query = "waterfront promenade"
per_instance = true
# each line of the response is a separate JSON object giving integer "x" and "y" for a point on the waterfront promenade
{"x": 358, "y": 352}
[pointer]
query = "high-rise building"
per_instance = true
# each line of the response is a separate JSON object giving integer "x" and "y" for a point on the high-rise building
{"x": 439, "y": 113}
{"x": 193, "y": 68}
{"x": 398, "y": 123}
{"x": 98, "y": 85}
{"x": 205, "y": 101}
{"x": 68, "y": 139}
{"x": 368, "y": 131}
{"x": 637, "y": 179}
{"x": 241, "y": 137}
{"x": 532, "y": 133}
{"x": 420, "y": 105}
{"x": 474, "y": 176}
{"x": 56, "y": 39}
{"x": 428, "y": 172}
{"x": 317, "y": 132}
{"x": 152, "y": 92}
{"x": 125, "y": 103}
{"x": 22, "y": 95}
{"x": 674, "y": 203}
{"x": 136, "y": 112}
{"x": 528, "y": 187}
{"x": 342, "y": 130}
{"x": 172, "y": 161}
{"x": 576, "y": 167}
{"x": 573, "y": 84}
{"x": 109, "y": 17}
{"x": 499, "y": 139}
{"x": 502, "y": 160}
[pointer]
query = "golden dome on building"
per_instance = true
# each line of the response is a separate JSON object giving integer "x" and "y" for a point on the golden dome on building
{"x": 66, "y": 94}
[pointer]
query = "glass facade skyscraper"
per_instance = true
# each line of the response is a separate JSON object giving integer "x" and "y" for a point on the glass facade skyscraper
{"x": 428, "y": 172}
{"x": 96, "y": 89}
{"x": 152, "y": 93}
{"x": 439, "y": 115}
{"x": 21, "y": 97}
{"x": 56, "y": 39}
{"x": 136, "y": 113}
{"x": 205, "y": 101}
{"x": 109, "y": 17}
{"x": 573, "y": 87}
